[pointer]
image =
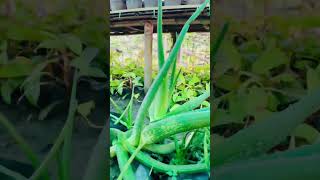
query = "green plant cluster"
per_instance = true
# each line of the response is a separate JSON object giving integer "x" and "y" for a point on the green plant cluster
{"x": 180, "y": 134}
{"x": 191, "y": 82}
{"x": 42, "y": 52}
{"x": 256, "y": 77}
{"x": 266, "y": 100}
{"x": 58, "y": 49}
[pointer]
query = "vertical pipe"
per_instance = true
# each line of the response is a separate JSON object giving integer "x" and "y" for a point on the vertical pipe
{"x": 148, "y": 32}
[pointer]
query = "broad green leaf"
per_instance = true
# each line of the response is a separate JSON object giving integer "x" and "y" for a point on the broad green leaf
{"x": 27, "y": 33}
{"x": 237, "y": 107}
{"x": 7, "y": 89}
{"x": 85, "y": 108}
{"x": 73, "y": 43}
{"x": 205, "y": 104}
{"x": 190, "y": 105}
{"x": 222, "y": 117}
{"x": 52, "y": 44}
{"x": 32, "y": 90}
{"x": 194, "y": 80}
{"x": 285, "y": 77}
{"x": 307, "y": 132}
{"x": 271, "y": 58}
{"x": 256, "y": 101}
{"x": 228, "y": 58}
{"x": 18, "y": 67}
{"x": 6, "y": 92}
{"x": 31, "y": 84}
{"x": 228, "y": 82}
{"x": 94, "y": 72}
{"x": 273, "y": 102}
{"x": 83, "y": 63}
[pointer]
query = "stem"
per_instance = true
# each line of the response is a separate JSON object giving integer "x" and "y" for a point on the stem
{"x": 127, "y": 165}
{"x": 66, "y": 154}
{"x": 24, "y": 146}
{"x": 161, "y": 148}
{"x": 11, "y": 173}
{"x": 67, "y": 127}
{"x": 122, "y": 157}
{"x": 161, "y": 167}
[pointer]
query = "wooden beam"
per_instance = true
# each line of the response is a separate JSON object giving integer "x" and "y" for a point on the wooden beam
{"x": 148, "y": 36}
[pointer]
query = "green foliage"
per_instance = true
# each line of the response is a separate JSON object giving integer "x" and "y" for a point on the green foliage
{"x": 38, "y": 50}
{"x": 163, "y": 122}
{"x": 25, "y": 46}
{"x": 264, "y": 101}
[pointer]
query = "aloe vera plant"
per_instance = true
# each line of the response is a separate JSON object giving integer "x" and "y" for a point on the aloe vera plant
{"x": 163, "y": 123}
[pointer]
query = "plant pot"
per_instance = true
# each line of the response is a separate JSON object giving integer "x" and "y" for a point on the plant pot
{"x": 132, "y": 4}
{"x": 172, "y": 2}
{"x": 117, "y": 5}
{"x": 150, "y": 3}
{"x": 189, "y": 2}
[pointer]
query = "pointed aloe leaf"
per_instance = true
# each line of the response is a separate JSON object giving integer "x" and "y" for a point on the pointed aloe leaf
{"x": 257, "y": 139}
{"x": 260, "y": 168}
{"x": 139, "y": 121}
{"x": 217, "y": 44}
{"x": 160, "y": 37}
{"x": 160, "y": 105}
{"x": 173, "y": 72}
{"x": 23, "y": 145}
{"x": 64, "y": 136}
{"x": 122, "y": 157}
{"x": 10, "y": 173}
{"x": 98, "y": 163}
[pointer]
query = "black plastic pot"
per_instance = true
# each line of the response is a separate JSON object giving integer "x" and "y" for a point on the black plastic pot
{"x": 189, "y": 2}
{"x": 132, "y": 4}
{"x": 117, "y": 5}
{"x": 172, "y": 2}
{"x": 150, "y": 3}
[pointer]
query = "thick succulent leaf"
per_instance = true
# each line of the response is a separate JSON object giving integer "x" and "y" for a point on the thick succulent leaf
{"x": 261, "y": 137}
{"x": 283, "y": 165}
{"x": 97, "y": 165}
